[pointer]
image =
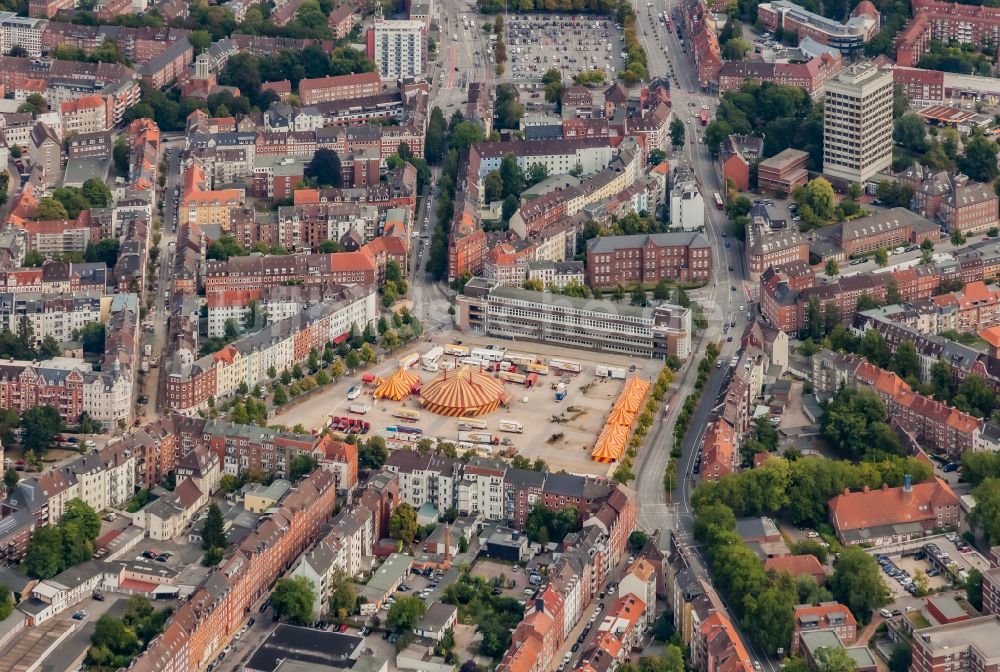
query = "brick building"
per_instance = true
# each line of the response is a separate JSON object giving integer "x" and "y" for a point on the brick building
{"x": 647, "y": 259}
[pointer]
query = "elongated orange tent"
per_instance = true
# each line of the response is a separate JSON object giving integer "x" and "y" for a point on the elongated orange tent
{"x": 610, "y": 444}
{"x": 620, "y": 416}
{"x": 398, "y": 386}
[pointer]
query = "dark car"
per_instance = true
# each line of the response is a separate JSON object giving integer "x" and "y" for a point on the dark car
{"x": 251, "y": 622}
{"x": 575, "y": 648}
{"x": 97, "y": 596}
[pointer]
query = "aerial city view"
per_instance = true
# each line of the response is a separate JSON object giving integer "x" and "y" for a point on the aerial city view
{"x": 513, "y": 336}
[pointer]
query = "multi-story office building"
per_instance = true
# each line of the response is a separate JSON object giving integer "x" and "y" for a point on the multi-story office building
{"x": 849, "y": 37}
{"x": 603, "y": 326}
{"x": 21, "y": 31}
{"x": 399, "y": 48}
{"x": 857, "y": 127}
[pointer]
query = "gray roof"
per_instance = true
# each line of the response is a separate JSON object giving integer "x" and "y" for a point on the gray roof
{"x": 436, "y": 616}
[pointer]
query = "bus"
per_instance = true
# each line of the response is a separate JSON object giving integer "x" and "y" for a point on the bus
{"x": 703, "y": 115}
{"x": 719, "y": 205}
{"x": 406, "y": 414}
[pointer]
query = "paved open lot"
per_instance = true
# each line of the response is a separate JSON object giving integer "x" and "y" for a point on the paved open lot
{"x": 560, "y": 432}
{"x": 572, "y": 44}
{"x": 909, "y": 557}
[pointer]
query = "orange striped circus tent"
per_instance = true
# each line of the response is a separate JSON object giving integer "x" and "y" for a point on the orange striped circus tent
{"x": 398, "y": 386}
{"x": 463, "y": 393}
{"x": 611, "y": 443}
{"x": 633, "y": 395}
{"x": 621, "y": 416}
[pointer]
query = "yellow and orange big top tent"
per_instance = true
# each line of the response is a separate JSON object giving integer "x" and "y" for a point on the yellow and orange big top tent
{"x": 398, "y": 386}
{"x": 465, "y": 392}
{"x": 612, "y": 439}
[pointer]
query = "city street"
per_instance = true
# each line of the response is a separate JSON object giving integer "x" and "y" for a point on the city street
{"x": 719, "y": 301}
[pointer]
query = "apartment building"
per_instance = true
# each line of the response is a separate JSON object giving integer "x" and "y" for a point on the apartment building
{"x": 592, "y": 155}
{"x": 966, "y": 645}
{"x": 945, "y": 21}
{"x": 596, "y": 325}
{"x": 849, "y": 38}
{"x": 339, "y": 88}
{"x": 45, "y": 151}
{"x": 87, "y": 114}
{"x": 824, "y": 616}
{"x": 398, "y": 47}
{"x": 20, "y": 31}
{"x": 342, "y": 20}
{"x": 687, "y": 205}
{"x": 212, "y": 614}
{"x": 736, "y": 154}
{"x": 202, "y": 206}
{"x": 718, "y": 451}
{"x": 258, "y": 272}
{"x": 647, "y": 259}
{"x": 55, "y": 315}
{"x": 857, "y": 125}
{"x": 280, "y": 345}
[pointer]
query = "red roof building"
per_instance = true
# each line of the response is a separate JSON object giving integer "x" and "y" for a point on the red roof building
{"x": 890, "y": 515}
{"x": 797, "y": 565}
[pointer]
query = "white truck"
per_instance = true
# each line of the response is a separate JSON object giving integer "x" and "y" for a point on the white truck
{"x": 429, "y": 359}
{"x": 480, "y": 438}
{"x": 512, "y": 426}
{"x": 358, "y": 407}
{"x": 488, "y": 354}
{"x": 615, "y": 372}
{"x": 565, "y": 365}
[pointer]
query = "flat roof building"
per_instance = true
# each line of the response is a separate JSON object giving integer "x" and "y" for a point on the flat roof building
{"x": 857, "y": 126}
{"x": 589, "y": 324}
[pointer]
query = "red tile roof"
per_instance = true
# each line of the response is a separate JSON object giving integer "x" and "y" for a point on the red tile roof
{"x": 890, "y": 506}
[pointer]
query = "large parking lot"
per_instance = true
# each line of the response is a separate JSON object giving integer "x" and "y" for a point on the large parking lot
{"x": 569, "y": 43}
{"x": 562, "y": 433}
{"x": 942, "y": 559}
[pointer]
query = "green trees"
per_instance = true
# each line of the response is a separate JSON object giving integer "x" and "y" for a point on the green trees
{"x": 545, "y": 525}
{"x": 49, "y": 208}
{"x": 301, "y": 465}
{"x": 343, "y": 596}
{"x": 213, "y": 536}
{"x": 224, "y": 248}
{"x": 979, "y": 158}
{"x": 833, "y": 659}
{"x": 373, "y": 454}
{"x": 857, "y": 584}
{"x": 986, "y": 515}
{"x": 974, "y": 588}
{"x": 405, "y": 614}
{"x": 910, "y": 132}
{"x": 117, "y": 640}
{"x": 293, "y": 598}
{"x": 855, "y": 424}
{"x": 508, "y": 110}
{"x": 902, "y": 657}
{"x": 120, "y": 154}
{"x": 403, "y": 524}
{"x": 53, "y": 548}
{"x": 40, "y": 425}
{"x": 324, "y": 168}
{"x": 975, "y": 396}
{"x": 434, "y": 139}
{"x": 43, "y": 558}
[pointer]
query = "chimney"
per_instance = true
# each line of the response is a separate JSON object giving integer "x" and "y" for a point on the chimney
{"x": 447, "y": 544}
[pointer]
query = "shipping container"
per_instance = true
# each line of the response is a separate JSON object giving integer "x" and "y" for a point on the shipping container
{"x": 610, "y": 372}
{"x": 456, "y": 350}
{"x": 406, "y": 414}
{"x": 531, "y": 380}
